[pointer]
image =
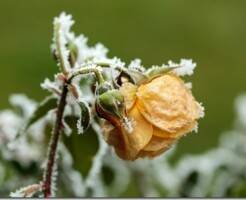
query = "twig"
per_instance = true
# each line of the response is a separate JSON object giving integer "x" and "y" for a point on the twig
{"x": 48, "y": 174}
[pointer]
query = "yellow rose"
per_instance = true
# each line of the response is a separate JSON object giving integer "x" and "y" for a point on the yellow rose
{"x": 161, "y": 111}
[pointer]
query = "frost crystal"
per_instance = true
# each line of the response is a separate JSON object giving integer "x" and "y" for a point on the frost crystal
{"x": 79, "y": 126}
{"x": 136, "y": 65}
{"x": 128, "y": 124}
{"x": 117, "y": 63}
{"x": 28, "y": 191}
{"x": 185, "y": 67}
{"x": 62, "y": 25}
{"x": 188, "y": 85}
{"x": 51, "y": 86}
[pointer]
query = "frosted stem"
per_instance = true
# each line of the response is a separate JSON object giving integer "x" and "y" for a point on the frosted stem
{"x": 87, "y": 70}
{"x": 52, "y": 151}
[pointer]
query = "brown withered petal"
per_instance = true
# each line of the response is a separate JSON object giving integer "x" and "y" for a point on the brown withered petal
{"x": 167, "y": 103}
{"x": 127, "y": 145}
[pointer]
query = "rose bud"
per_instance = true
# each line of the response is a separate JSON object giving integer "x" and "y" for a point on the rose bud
{"x": 159, "y": 111}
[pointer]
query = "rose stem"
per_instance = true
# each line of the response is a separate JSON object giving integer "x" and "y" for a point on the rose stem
{"x": 52, "y": 151}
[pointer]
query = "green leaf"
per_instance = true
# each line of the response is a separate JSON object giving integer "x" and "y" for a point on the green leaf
{"x": 45, "y": 106}
{"x": 159, "y": 71}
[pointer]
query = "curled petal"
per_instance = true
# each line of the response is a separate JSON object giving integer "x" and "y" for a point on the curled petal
{"x": 167, "y": 103}
{"x": 128, "y": 90}
{"x": 157, "y": 143}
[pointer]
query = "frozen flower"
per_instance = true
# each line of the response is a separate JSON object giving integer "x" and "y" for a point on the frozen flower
{"x": 162, "y": 110}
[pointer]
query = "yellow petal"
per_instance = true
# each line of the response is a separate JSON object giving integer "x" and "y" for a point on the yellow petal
{"x": 158, "y": 143}
{"x": 152, "y": 154}
{"x": 167, "y": 103}
{"x": 128, "y": 90}
{"x": 163, "y": 134}
{"x": 142, "y": 130}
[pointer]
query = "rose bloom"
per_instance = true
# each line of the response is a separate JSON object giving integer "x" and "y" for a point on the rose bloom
{"x": 161, "y": 111}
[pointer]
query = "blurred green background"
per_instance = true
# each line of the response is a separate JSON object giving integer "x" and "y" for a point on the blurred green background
{"x": 211, "y": 32}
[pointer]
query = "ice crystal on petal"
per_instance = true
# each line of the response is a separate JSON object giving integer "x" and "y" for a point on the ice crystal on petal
{"x": 188, "y": 85}
{"x": 128, "y": 124}
{"x": 202, "y": 111}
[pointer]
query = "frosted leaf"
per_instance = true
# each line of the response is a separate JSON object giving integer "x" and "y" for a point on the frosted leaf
{"x": 121, "y": 174}
{"x": 136, "y": 65}
{"x": 208, "y": 163}
{"x": 22, "y": 101}
{"x": 76, "y": 180}
{"x": 80, "y": 127}
{"x": 23, "y": 151}
{"x": 90, "y": 54}
{"x": 51, "y": 86}
{"x": 144, "y": 171}
{"x": 9, "y": 125}
{"x": 99, "y": 51}
{"x": 37, "y": 130}
{"x": 185, "y": 67}
{"x": 92, "y": 180}
{"x": 28, "y": 191}
{"x": 117, "y": 63}
{"x": 62, "y": 25}
{"x": 75, "y": 90}
{"x": 66, "y": 128}
{"x": 65, "y": 21}
{"x": 81, "y": 42}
